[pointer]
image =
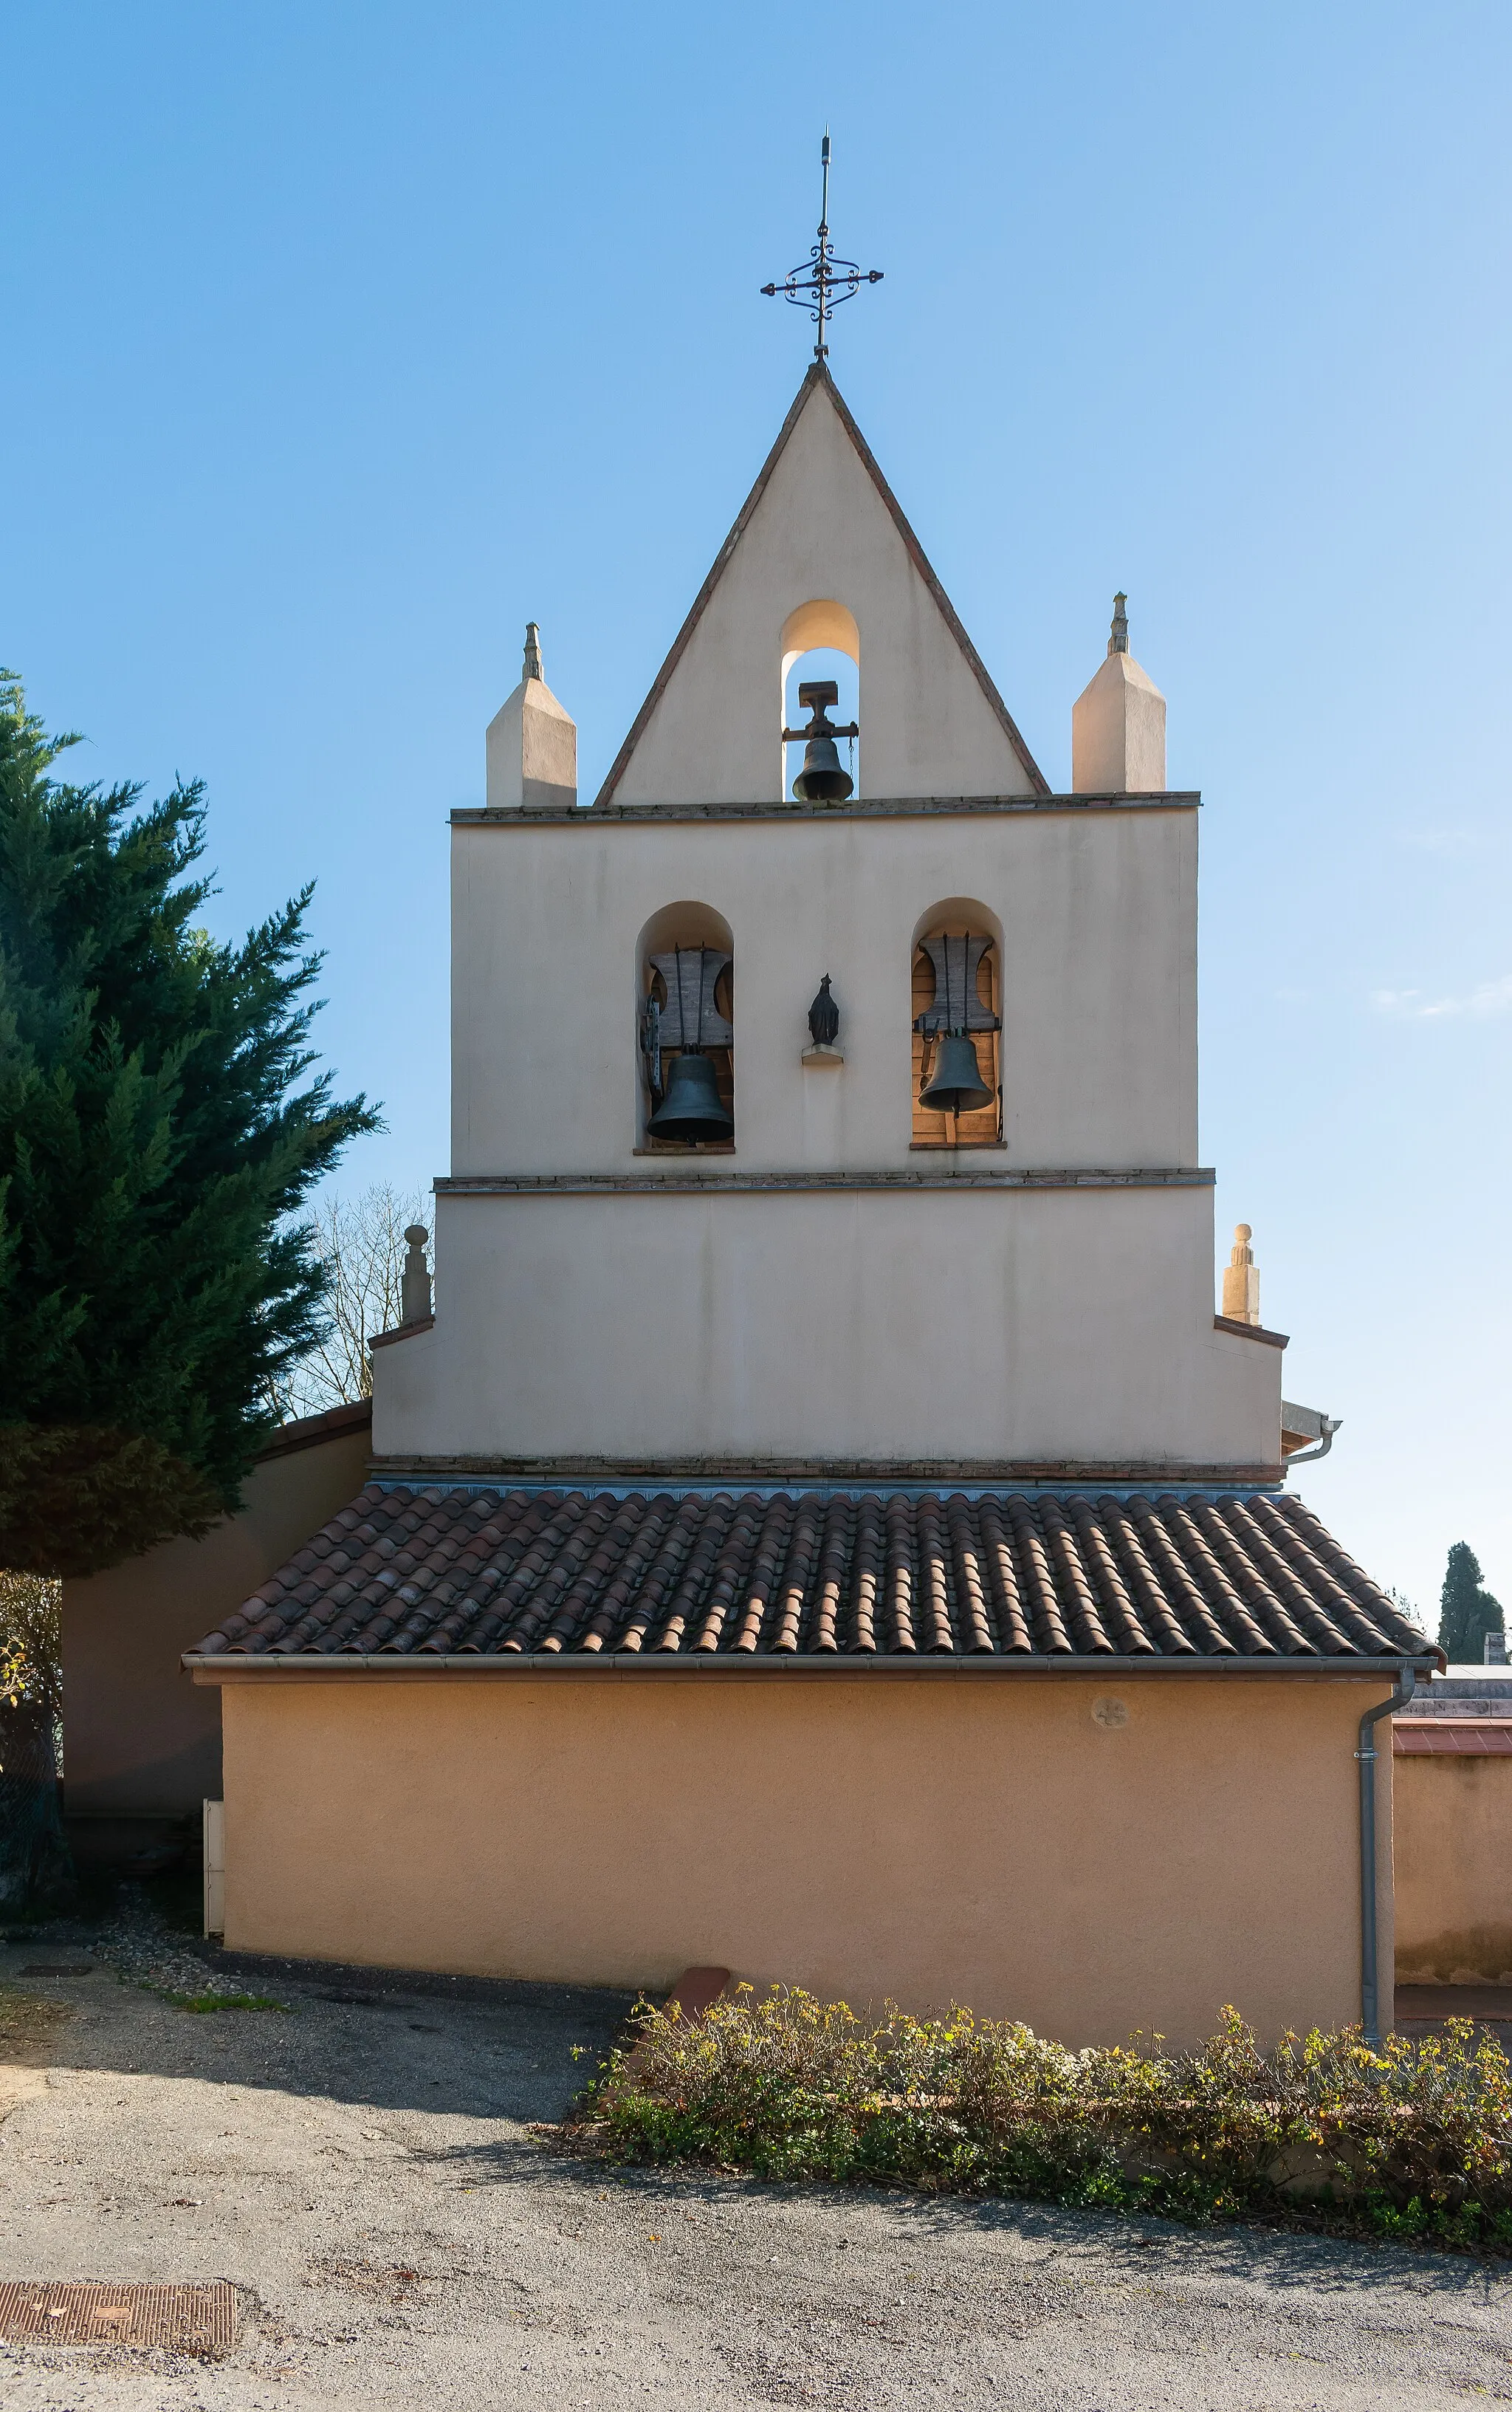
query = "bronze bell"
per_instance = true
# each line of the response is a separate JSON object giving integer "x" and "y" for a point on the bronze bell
{"x": 956, "y": 1087}
{"x": 822, "y": 780}
{"x": 693, "y": 1108}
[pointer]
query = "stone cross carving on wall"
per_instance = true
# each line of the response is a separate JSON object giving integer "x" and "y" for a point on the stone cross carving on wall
{"x": 957, "y": 1006}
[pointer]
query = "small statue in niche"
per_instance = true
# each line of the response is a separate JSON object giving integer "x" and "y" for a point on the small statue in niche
{"x": 824, "y": 1017}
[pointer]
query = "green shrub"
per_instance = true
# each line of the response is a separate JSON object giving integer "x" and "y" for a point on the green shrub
{"x": 204, "y": 2003}
{"x": 1411, "y": 2140}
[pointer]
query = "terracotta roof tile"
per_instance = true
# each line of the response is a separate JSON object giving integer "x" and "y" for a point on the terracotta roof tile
{"x": 440, "y": 1572}
{"x": 1451, "y": 1738}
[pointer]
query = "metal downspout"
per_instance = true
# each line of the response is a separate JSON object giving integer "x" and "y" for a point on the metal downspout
{"x": 1370, "y": 2006}
{"x": 1309, "y": 1456}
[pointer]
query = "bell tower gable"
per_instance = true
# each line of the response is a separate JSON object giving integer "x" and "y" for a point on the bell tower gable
{"x": 821, "y": 538}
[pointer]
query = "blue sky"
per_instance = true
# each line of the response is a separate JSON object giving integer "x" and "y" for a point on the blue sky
{"x": 344, "y": 339}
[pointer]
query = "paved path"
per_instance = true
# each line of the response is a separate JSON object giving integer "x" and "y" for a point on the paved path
{"x": 362, "y": 2172}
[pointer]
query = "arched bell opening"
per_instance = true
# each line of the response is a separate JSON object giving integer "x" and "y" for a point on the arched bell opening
{"x": 821, "y": 679}
{"x": 685, "y": 1030}
{"x": 956, "y": 1012}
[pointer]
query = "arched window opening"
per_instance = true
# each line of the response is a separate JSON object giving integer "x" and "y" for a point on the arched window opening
{"x": 821, "y": 649}
{"x": 686, "y": 1031}
{"x": 957, "y": 1069}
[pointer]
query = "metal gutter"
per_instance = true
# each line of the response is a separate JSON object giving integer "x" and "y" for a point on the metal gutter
{"x": 233, "y": 1665}
{"x": 1309, "y": 1456}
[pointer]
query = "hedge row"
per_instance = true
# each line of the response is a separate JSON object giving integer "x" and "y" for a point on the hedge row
{"x": 1412, "y": 2139}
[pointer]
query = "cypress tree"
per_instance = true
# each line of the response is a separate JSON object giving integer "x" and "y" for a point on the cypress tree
{"x": 157, "y": 1135}
{"x": 1468, "y": 1613}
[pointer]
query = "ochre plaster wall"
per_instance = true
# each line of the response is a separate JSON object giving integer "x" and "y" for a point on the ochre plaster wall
{"x": 140, "y": 1741}
{"x": 1454, "y": 1870}
{"x": 930, "y": 1840}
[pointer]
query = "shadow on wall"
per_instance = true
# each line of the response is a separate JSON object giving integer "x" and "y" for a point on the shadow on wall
{"x": 1452, "y": 1820}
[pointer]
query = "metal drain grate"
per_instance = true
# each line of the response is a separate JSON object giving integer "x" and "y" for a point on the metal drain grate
{"x": 174, "y": 2320}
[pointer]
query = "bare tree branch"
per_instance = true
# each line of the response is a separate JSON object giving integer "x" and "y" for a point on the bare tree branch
{"x": 360, "y": 1240}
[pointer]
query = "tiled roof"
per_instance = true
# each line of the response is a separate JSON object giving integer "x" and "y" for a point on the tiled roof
{"x": 1011, "y": 1575}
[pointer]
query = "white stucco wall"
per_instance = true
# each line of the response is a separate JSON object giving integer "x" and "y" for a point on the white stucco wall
{"x": 860, "y": 1324}
{"x": 1098, "y": 981}
{"x": 868, "y": 1323}
{"x": 821, "y": 531}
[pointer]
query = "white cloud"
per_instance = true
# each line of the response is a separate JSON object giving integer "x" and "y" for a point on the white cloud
{"x": 1479, "y": 1004}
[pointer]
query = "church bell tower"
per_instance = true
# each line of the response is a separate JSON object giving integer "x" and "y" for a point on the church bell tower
{"x": 965, "y": 1235}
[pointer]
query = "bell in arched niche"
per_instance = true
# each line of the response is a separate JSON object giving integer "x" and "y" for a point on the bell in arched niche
{"x": 823, "y": 779}
{"x": 691, "y": 1108}
{"x": 954, "y": 1082}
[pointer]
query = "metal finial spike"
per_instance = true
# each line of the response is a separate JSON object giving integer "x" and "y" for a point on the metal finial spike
{"x": 1119, "y": 641}
{"x": 823, "y": 282}
{"x": 532, "y": 650}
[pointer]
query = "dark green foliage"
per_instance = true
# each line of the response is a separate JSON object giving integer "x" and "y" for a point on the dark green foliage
{"x": 75, "y": 1497}
{"x": 1468, "y": 1613}
{"x": 1413, "y": 2140}
{"x": 155, "y": 1139}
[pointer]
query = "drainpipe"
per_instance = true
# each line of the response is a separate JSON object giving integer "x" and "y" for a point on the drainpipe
{"x": 1370, "y": 2006}
{"x": 1306, "y": 1456}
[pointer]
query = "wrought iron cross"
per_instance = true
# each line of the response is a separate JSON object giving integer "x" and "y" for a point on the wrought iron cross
{"x": 820, "y": 282}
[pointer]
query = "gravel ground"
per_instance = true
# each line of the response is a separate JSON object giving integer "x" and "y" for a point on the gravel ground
{"x": 363, "y": 2169}
{"x": 138, "y": 1944}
